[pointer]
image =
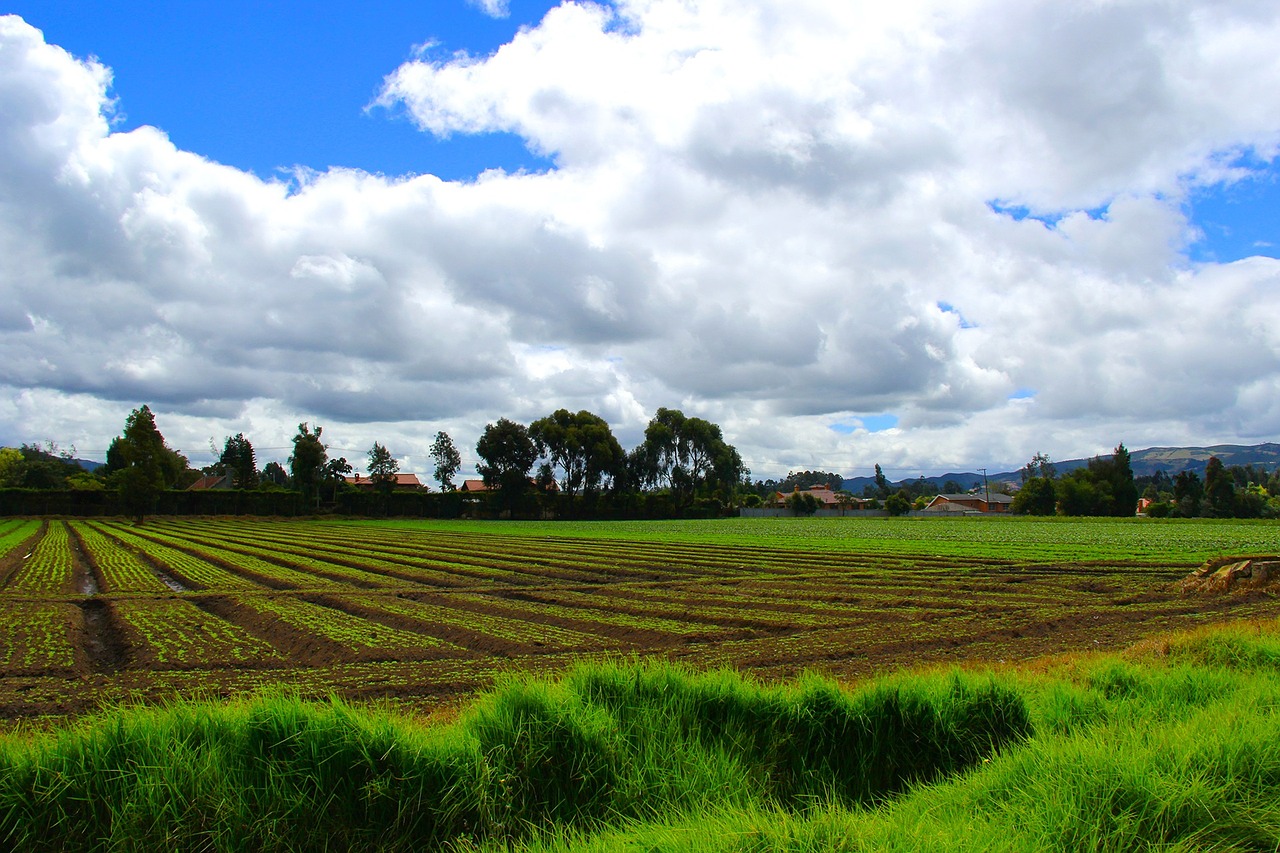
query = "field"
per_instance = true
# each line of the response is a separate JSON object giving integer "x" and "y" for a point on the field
{"x": 422, "y": 614}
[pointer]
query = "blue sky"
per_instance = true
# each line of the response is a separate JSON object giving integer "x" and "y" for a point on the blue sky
{"x": 806, "y": 222}
{"x": 266, "y": 85}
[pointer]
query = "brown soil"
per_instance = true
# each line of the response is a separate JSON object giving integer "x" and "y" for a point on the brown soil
{"x": 1234, "y": 575}
{"x": 846, "y": 622}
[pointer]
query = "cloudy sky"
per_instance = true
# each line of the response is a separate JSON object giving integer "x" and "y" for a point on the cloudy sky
{"x": 930, "y": 235}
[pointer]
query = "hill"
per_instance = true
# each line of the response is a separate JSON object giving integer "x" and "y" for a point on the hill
{"x": 1145, "y": 463}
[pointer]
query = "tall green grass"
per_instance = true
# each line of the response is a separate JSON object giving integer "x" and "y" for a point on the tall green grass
{"x": 1128, "y": 755}
{"x": 606, "y": 744}
{"x": 1174, "y": 746}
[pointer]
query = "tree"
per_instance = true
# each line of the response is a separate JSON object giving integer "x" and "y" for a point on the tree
{"x": 273, "y": 472}
{"x": 1041, "y": 467}
{"x": 1036, "y": 497}
{"x": 448, "y": 460}
{"x": 147, "y": 464}
{"x": 658, "y": 458}
{"x": 582, "y": 446}
{"x": 238, "y": 460}
{"x": 306, "y": 465}
{"x": 1187, "y": 492}
{"x": 508, "y": 453}
{"x": 10, "y": 467}
{"x": 1079, "y": 493}
{"x": 898, "y": 503}
{"x": 686, "y": 455}
{"x": 43, "y": 467}
{"x": 383, "y": 468}
{"x": 1124, "y": 491}
{"x": 807, "y": 479}
{"x": 1104, "y": 487}
{"x": 802, "y": 503}
{"x": 334, "y": 475}
{"x": 882, "y": 483}
{"x": 1219, "y": 490}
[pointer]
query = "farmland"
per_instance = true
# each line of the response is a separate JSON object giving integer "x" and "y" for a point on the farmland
{"x": 423, "y": 613}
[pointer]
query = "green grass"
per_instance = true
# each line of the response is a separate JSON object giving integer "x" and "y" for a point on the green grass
{"x": 1163, "y": 748}
{"x": 607, "y": 744}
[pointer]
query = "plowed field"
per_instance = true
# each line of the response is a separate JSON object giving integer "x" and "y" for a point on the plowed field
{"x": 95, "y": 612}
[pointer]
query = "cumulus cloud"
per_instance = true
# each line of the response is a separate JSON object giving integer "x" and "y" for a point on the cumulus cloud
{"x": 777, "y": 215}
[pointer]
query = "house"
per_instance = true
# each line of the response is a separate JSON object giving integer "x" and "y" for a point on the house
{"x": 969, "y": 503}
{"x": 479, "y": 486}
{"x": 826, "y": 497}
{"x": 403, "y": 483}
{"x": 209, "y": 482}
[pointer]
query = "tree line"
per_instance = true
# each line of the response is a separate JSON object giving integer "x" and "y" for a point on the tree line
{"x": 570, "y": 453}
{"x": 571, "y": 456}
{"x": 1107, "y": 486}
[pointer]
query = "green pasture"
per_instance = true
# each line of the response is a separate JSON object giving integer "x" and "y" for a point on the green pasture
{"x": 1018, "y": 539}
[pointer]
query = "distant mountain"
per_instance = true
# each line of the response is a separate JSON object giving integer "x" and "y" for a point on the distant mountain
{"x": 87, "y": 464}
{"x": 1175, "y": 459}
{"x": 1171, "y": 460}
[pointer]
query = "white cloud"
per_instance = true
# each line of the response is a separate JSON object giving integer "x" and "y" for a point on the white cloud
{"x": 492, "y": 8}
{"x": 757, "y": 210}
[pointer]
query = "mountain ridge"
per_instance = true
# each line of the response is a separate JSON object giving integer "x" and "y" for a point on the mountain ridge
{"x": 1145, "y": 463}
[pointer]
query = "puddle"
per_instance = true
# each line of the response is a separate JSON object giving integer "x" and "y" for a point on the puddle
{"x": 172, "y": 583}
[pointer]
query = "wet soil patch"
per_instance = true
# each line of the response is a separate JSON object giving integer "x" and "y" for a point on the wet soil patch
{"x": 88, "y": 577}
{"x": 103, "y": 641}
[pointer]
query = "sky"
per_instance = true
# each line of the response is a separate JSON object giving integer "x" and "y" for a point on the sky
{"x": 934, "y": 235}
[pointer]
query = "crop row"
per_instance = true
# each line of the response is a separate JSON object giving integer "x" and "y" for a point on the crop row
{"x": 574, "y": 559}
{"x": 251, "y": 567}
{"x": 408, "y": 556}
{"x": 36, "y": 637}
{"x": 15, "y": 531}
{"x": 120, "y": 569}
{"x": 354, "y": 633}
{"x": 188, "y": 569}
{"x": 591, "y": 607}
{"x": 304, "y": 563}
{"x": 486, "y": 557}
{"x": 352, "y": 563}
{"x": 510, "y": 626}
{"x": 50, "y": 567}
{"x": 174, "y": 634}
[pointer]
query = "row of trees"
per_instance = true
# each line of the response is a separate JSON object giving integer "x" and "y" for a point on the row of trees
{"x": 575, "y": 454}
{"x": 1103, "y": 487}
{"x": 1107, "y": 486}
{"x": 1238, "y": 491}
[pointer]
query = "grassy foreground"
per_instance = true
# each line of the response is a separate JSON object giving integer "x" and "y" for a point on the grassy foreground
{"x": 1174, "y": 745}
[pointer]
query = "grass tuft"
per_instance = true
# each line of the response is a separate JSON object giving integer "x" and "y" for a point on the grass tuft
{"x": 606, "y": 744}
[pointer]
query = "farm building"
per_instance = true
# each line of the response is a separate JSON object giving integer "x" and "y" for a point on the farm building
{"x": 826, "y": 497}
{"x": 211, "y": 481}
{"x": 969, "y": 503}
{"x": 404, "y": 482}
{"x": 479, "y": 486}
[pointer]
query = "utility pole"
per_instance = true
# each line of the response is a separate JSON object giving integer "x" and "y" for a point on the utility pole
{"x": 986, "y": 490}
